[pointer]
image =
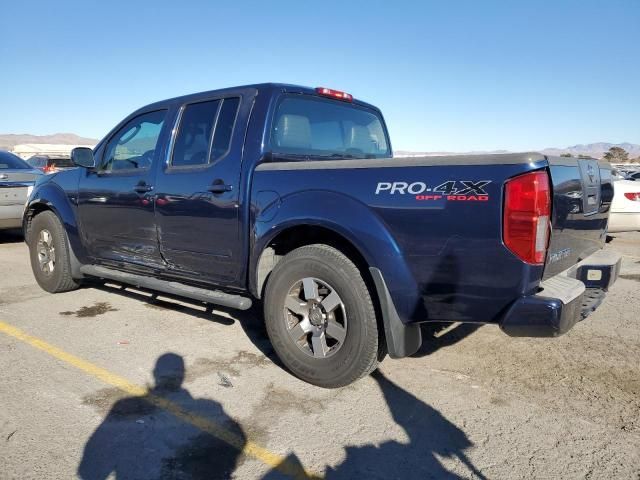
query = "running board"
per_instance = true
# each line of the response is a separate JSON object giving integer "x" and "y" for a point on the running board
{"x": 174, "y": 288}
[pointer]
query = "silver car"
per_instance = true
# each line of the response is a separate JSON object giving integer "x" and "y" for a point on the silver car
{"x": 17, "y": 178}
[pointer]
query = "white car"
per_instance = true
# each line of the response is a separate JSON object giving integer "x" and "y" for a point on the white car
{"x": 625, "y": 208}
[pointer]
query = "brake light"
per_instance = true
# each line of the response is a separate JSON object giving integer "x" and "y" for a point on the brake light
{"x": 328, "y": 92}
{"x": 635, "y": 196}
{"x": 49, "y": 169}
{"x": 527, "y": 210}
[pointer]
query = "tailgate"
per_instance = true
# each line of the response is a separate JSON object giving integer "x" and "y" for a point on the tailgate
{"x": 582, "y": 195}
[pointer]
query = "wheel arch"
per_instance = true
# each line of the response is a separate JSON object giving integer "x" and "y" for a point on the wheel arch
{"x": 287, "y": 238}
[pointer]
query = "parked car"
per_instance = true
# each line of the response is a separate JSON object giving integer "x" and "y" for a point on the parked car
{"x": 625, "y": 208}
{"x": 291, "y": 196}
{"x": 50, "y": 165}
{"x": 17, "y": 179}
{"x": 617, "y": 174}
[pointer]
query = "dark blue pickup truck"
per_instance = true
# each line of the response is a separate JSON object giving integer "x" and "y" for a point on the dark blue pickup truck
{"x": 292, "y": 196}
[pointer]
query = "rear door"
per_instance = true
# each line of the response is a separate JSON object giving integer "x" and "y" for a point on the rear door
{"x": 115, "y": 202}
{"x": 582, "y": 195}
{"x": 197, "y": 194}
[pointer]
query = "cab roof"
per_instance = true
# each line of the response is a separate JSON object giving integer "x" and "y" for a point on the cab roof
{"x": 262, "y": 88}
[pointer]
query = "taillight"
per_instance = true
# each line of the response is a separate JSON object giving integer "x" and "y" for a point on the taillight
{"x": 635, "y": 196}
{"x": 328, "y": 92}
{"x": 527, "y": 210}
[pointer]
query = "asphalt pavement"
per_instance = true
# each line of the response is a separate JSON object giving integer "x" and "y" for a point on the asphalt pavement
{"x": 107, "y": 382}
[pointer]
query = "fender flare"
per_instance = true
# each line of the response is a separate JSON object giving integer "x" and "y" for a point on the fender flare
{"x": 49, "y": 196}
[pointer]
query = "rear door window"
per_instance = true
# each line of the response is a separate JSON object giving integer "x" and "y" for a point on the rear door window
{"x": 204, "y": 134}
{"x": 224, "y": 128}
{"x": 311, "y": 126}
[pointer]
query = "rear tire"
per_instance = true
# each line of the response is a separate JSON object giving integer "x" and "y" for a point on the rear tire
{"x": 320, "y": 317}
{"x": 49, "y": 253}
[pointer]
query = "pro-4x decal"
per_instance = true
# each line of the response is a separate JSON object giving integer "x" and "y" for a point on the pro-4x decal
{"x": 451, "y": 190}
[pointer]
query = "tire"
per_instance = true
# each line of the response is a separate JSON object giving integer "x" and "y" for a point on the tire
{"x": 347, "y": 353}
{"x": 48, "y": 243}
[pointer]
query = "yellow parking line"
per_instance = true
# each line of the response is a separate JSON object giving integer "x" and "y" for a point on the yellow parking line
{"x": 247, "y": 447}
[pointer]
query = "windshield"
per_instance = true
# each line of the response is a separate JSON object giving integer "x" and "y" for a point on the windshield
{"x": 311, "y": 126}
{"x": 9, "y": 161}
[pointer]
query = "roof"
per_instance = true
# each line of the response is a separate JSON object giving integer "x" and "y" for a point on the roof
{"x": 29, "y": 149}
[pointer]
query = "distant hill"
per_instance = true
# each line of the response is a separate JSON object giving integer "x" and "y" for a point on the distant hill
{"x": 596, "y": 150}
{"x": 9, "y": 140}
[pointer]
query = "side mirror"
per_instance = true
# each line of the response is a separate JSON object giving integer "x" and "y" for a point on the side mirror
{"x": 83, "y": 157}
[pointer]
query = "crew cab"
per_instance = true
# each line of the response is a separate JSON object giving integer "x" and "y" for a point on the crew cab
{"x": 291, "y": 196}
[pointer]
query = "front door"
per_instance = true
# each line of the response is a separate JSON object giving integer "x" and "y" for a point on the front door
{"x": 197, "y": 192}
{"x": 115, "y": 202}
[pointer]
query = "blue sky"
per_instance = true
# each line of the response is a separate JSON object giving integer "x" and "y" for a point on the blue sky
{"x": 448, "y": 75}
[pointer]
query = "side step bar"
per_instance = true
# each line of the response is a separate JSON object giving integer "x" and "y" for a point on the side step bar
{"x": 173, "y": 288}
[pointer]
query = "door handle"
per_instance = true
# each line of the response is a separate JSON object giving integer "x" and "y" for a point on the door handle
{"x": 143, "y": 188}
{"x": 220, "y": 187}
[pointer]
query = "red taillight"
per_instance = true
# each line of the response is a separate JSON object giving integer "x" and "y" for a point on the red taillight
{"x": 327, "y": 92}
{"x": 635, "y": 196}
{"x": 527, "y": 209}
{"x": 49, "y": 169}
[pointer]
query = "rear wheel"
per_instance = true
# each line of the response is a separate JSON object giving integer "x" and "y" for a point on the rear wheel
{"x": 320, "y": 317}
{"x": 49, "y": 253}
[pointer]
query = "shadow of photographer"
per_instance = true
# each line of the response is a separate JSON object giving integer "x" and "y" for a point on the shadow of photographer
{"x": 142, "y": 437}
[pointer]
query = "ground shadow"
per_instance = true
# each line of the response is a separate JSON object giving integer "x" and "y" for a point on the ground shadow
{"x": 147, "y": 437}
{"x": 11, "y": 236}
{"x": 430, "y": 437}
{"x": 439, "y": 335}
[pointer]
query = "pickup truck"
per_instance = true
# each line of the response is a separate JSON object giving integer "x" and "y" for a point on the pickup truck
{"x": 291, "y": 196}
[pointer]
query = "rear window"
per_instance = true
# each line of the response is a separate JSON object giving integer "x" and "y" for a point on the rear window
{"x": 9, "y": 161}
{"x": 311, "y": 126}
{"x": 62, "y": 162}
{"x": 38, "y": 162}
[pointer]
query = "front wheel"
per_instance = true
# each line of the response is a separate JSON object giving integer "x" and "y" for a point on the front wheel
{"x": 49, "y": 252}
{"x": 320, "y": 317}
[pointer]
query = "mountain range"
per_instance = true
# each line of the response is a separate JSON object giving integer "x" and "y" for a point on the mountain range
{"x": 596, "y": 150}
{"x": 10, "y": 140}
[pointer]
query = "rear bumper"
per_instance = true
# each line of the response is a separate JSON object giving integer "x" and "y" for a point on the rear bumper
{"x": 564, "y": 299}
{"x": 623, "y": 222}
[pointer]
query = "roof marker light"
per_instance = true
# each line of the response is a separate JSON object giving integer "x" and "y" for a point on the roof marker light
{"x": 328, "y": 92}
